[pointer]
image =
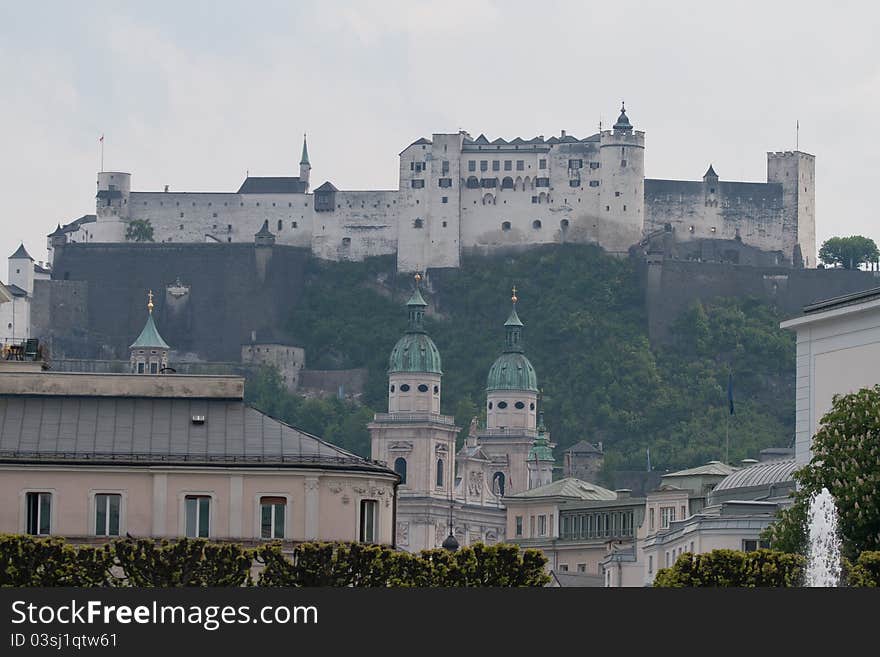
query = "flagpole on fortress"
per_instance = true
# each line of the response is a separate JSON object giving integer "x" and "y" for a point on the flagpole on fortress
{"x": 101, "y": 140}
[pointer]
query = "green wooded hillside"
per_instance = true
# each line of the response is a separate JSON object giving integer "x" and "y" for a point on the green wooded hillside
{"x": 585, "y": 333}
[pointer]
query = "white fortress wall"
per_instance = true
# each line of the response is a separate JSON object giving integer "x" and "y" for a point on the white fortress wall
{"x": 362, "y": 224}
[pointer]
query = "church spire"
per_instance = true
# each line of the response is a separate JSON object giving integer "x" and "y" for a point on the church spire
{"x": 513, "y": 327}
{"x": 416, "y": 308}
{"x": 623, "y": 124}
{"x": 305, "y": 153}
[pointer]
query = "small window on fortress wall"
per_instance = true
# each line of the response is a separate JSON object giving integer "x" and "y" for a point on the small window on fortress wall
{"x": 505, "y": 225}
{"x": 563, "y": 224}
{"x": 418, "y": 223}
{"x": 280, "y": 224}
{"x": 536, "y": 224}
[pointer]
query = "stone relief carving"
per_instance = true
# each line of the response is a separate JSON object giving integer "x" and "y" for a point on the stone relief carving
{"x": 475, "y": 484}
{"x": 403, "y": 533}
{"x": 335, "y": 487}
{"x": 312, "y": 484}
{"x": 178, "y": 289}
{"x": 400, "y": 446}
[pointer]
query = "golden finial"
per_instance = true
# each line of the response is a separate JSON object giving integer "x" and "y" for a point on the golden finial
{"x": 513, "y": 298}
{"x": 418, "y": 278}
{"x": 150, "y": 301}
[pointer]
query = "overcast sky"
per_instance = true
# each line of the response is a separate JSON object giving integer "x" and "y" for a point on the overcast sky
{"x": 193, "y": 94}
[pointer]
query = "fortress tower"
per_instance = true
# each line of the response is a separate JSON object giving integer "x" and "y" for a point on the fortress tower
{"x": 304, "y": 167}
{"x": 796, "y": 172}
{"x": 112, "y": 209}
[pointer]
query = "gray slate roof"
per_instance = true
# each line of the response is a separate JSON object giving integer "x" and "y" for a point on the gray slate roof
{"x": 273, "y": 185}
{"x": 158, "y": 431}
{"x": 20, "y": 252}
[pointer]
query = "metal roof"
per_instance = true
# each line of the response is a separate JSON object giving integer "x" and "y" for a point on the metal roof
{"x": 710, "y": 468}
{"x": 568, "y": 487}
{"x": 20, "y": 252}
{"x": 149, "y": 337}
{"x": 148, "y": 431}
{"x": 584, "y": 447}
{"x": 844, "y": 300}
{"x": 762, "y": 474}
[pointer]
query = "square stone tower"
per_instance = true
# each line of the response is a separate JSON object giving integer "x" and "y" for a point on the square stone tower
{"x": 796, "y": 172}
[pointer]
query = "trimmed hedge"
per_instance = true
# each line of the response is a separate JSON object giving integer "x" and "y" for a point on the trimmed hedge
{"x": 33, "y": 561}
{"x": 733, "y": 568}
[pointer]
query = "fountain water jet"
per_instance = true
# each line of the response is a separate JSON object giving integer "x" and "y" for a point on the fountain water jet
{"x": 823, "y": 564}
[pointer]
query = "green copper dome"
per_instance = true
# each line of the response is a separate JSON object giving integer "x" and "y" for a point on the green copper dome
{"x": 149, "y": 337}
{"x": 512, "y": 370}
{"x": 541, "y": 450}
{"x": 415, "y": 351}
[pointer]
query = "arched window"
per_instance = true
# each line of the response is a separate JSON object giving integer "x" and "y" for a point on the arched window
{"x": 542, "y": 197}
{"x": 527, "y": 183}
{"x": 536, "y": 224}
{"x": 418, "y": 223}
{"x": 563, "y": 224}
{"x": 439, "y": 473}
{"x": 507, "y": 183}
{"x": 498, "y": 483}
{"x": 392, "y": 387}
{"x": 400, "y": 468}
{"x": 488, "y": 199}
{"x": 505, "y": 225}
{"x": 473, "y": 182}
{"x": 436, "y": 390}
{"x": 490, "y": 406}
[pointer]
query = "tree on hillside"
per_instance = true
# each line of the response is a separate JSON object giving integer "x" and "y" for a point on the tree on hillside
{"x": 139, "y": 230}
{"x": 849, "y": 252}
{"x": 846, "y": 452}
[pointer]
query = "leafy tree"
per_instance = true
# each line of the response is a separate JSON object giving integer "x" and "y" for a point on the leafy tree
{"x": 139, "y": 230}
{"x": 846, "y": 454}
{"x": 849, "y": 252}
{"x": 732, "y": 568}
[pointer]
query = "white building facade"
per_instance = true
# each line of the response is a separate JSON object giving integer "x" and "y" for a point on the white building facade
{"x": 838, "y": 352}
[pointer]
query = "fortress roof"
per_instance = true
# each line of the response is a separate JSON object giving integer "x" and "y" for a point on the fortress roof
{"x": 273, "y": 185}
{"x": 20, "y": 252}
{"x": 327, "y": 187}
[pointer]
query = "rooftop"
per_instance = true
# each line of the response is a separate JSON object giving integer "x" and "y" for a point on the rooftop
{"x": 273, "y": 185}
{"x": 710, "y": 468}
{"x": 568, "y": 487}
{"x": 761, "y": 474}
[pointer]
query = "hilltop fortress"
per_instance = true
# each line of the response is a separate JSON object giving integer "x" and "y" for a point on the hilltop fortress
{"x": 457, "y": 194}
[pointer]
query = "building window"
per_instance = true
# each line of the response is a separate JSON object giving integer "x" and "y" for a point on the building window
{"x": 507, "y": 183}
{"x": 750, "y": 545}
{"x": 141, "y": 366}
{"x": 531, "y": 526}
{"x": 444, "y": 167}
{"x": 472, "y": 165}
{"x": 369, "y": 509}
{"x": 107, "y": 510}
{"x": 651, "y": 519}
{"x": 508, "y": 165}
{"x": 418, "y": 223}
{"x": 650, "y": 563}
{"x": 563, "y": 224}
{"x": 400, "y": 468}
{"x": 502, "y": 404}
{"x": 623, "y": 163}
{"x": 423, "y": 387}
{"x": 293, "y": 224}
{"x": 534, "y": 199}
{"x": 624, "y": 208}
{"x": 519, "y": 405}
{"x": 520, "y": 165}
{"x": 198, "y": 514}
{"x": 418, "y": 184}
{"x": 563, "y": 568}
{"x": 667, "y": 515}
{"x": 505, "y": 226}
{"x": 272, "y": 512}
{"x": 445, "y": 182}
{"x": 542, "y": 182}
{"x": 489, "y": 183}
{"x": 437, "y": 388}
{"x": 574, "y": 182}
{"x": 444, "y": 199}
{"x": 473, "y": 182}
{"x": 280, "y": 224}
{"x": 594, "y": 183}
{"x": 542, "y": 525}
{"x": 594, "y": 165}
{"x": 519, "y": 525}
{"x": 575, "y": 164}
{"x": 39, "y": 514}
{"x": 484, "y": 165}
{"x": 683, "y": 512}
{"x": 404, "y": 387}
{"x": 496, "y": 165}
{"x": 154, "y": 368}
{"x": 542, "y": 164}
{"x": 439, "y": 473}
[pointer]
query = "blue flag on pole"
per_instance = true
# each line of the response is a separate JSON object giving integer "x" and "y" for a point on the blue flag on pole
{"x": 730, "y": 391}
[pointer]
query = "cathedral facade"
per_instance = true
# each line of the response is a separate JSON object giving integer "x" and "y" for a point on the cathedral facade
{"x": 457, "y": 194}
{"x": 458, "y": 495}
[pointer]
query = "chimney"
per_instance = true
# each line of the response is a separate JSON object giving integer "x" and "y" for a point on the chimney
{"x": 623, "y": 493}
{"x": 562, "y": 134}
{"x": 166, "y": 188}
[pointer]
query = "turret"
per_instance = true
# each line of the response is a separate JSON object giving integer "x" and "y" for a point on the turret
{"x": 621, "y": 200}
{"x": 304, "y": 166}
{"x": 112, "y": 210}
{"x": 149, "y": 353}
{"x": 21, "y": 270}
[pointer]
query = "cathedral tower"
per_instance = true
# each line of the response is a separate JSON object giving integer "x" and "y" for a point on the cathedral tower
{"x": 511, "y": 402}
{"x": 540, "y": 461}
{"x": 413, "y": 438}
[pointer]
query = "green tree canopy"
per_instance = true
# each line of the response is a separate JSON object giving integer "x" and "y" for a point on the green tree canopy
{"x": 849, "y": 252}
{"x": 139, "y": 230}
{"x": 846, "y": 461}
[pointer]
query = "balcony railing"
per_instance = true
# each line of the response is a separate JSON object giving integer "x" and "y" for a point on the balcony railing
{"x": 403, "y": 417}
{"x": 21, "y": 349}
{"x": 509, "y": 431}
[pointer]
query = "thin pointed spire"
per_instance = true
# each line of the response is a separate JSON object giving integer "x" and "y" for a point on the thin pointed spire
{"x": 150, "y": 302}
{"x": 416, "y": 307}
{"x": 305, "y": 153}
